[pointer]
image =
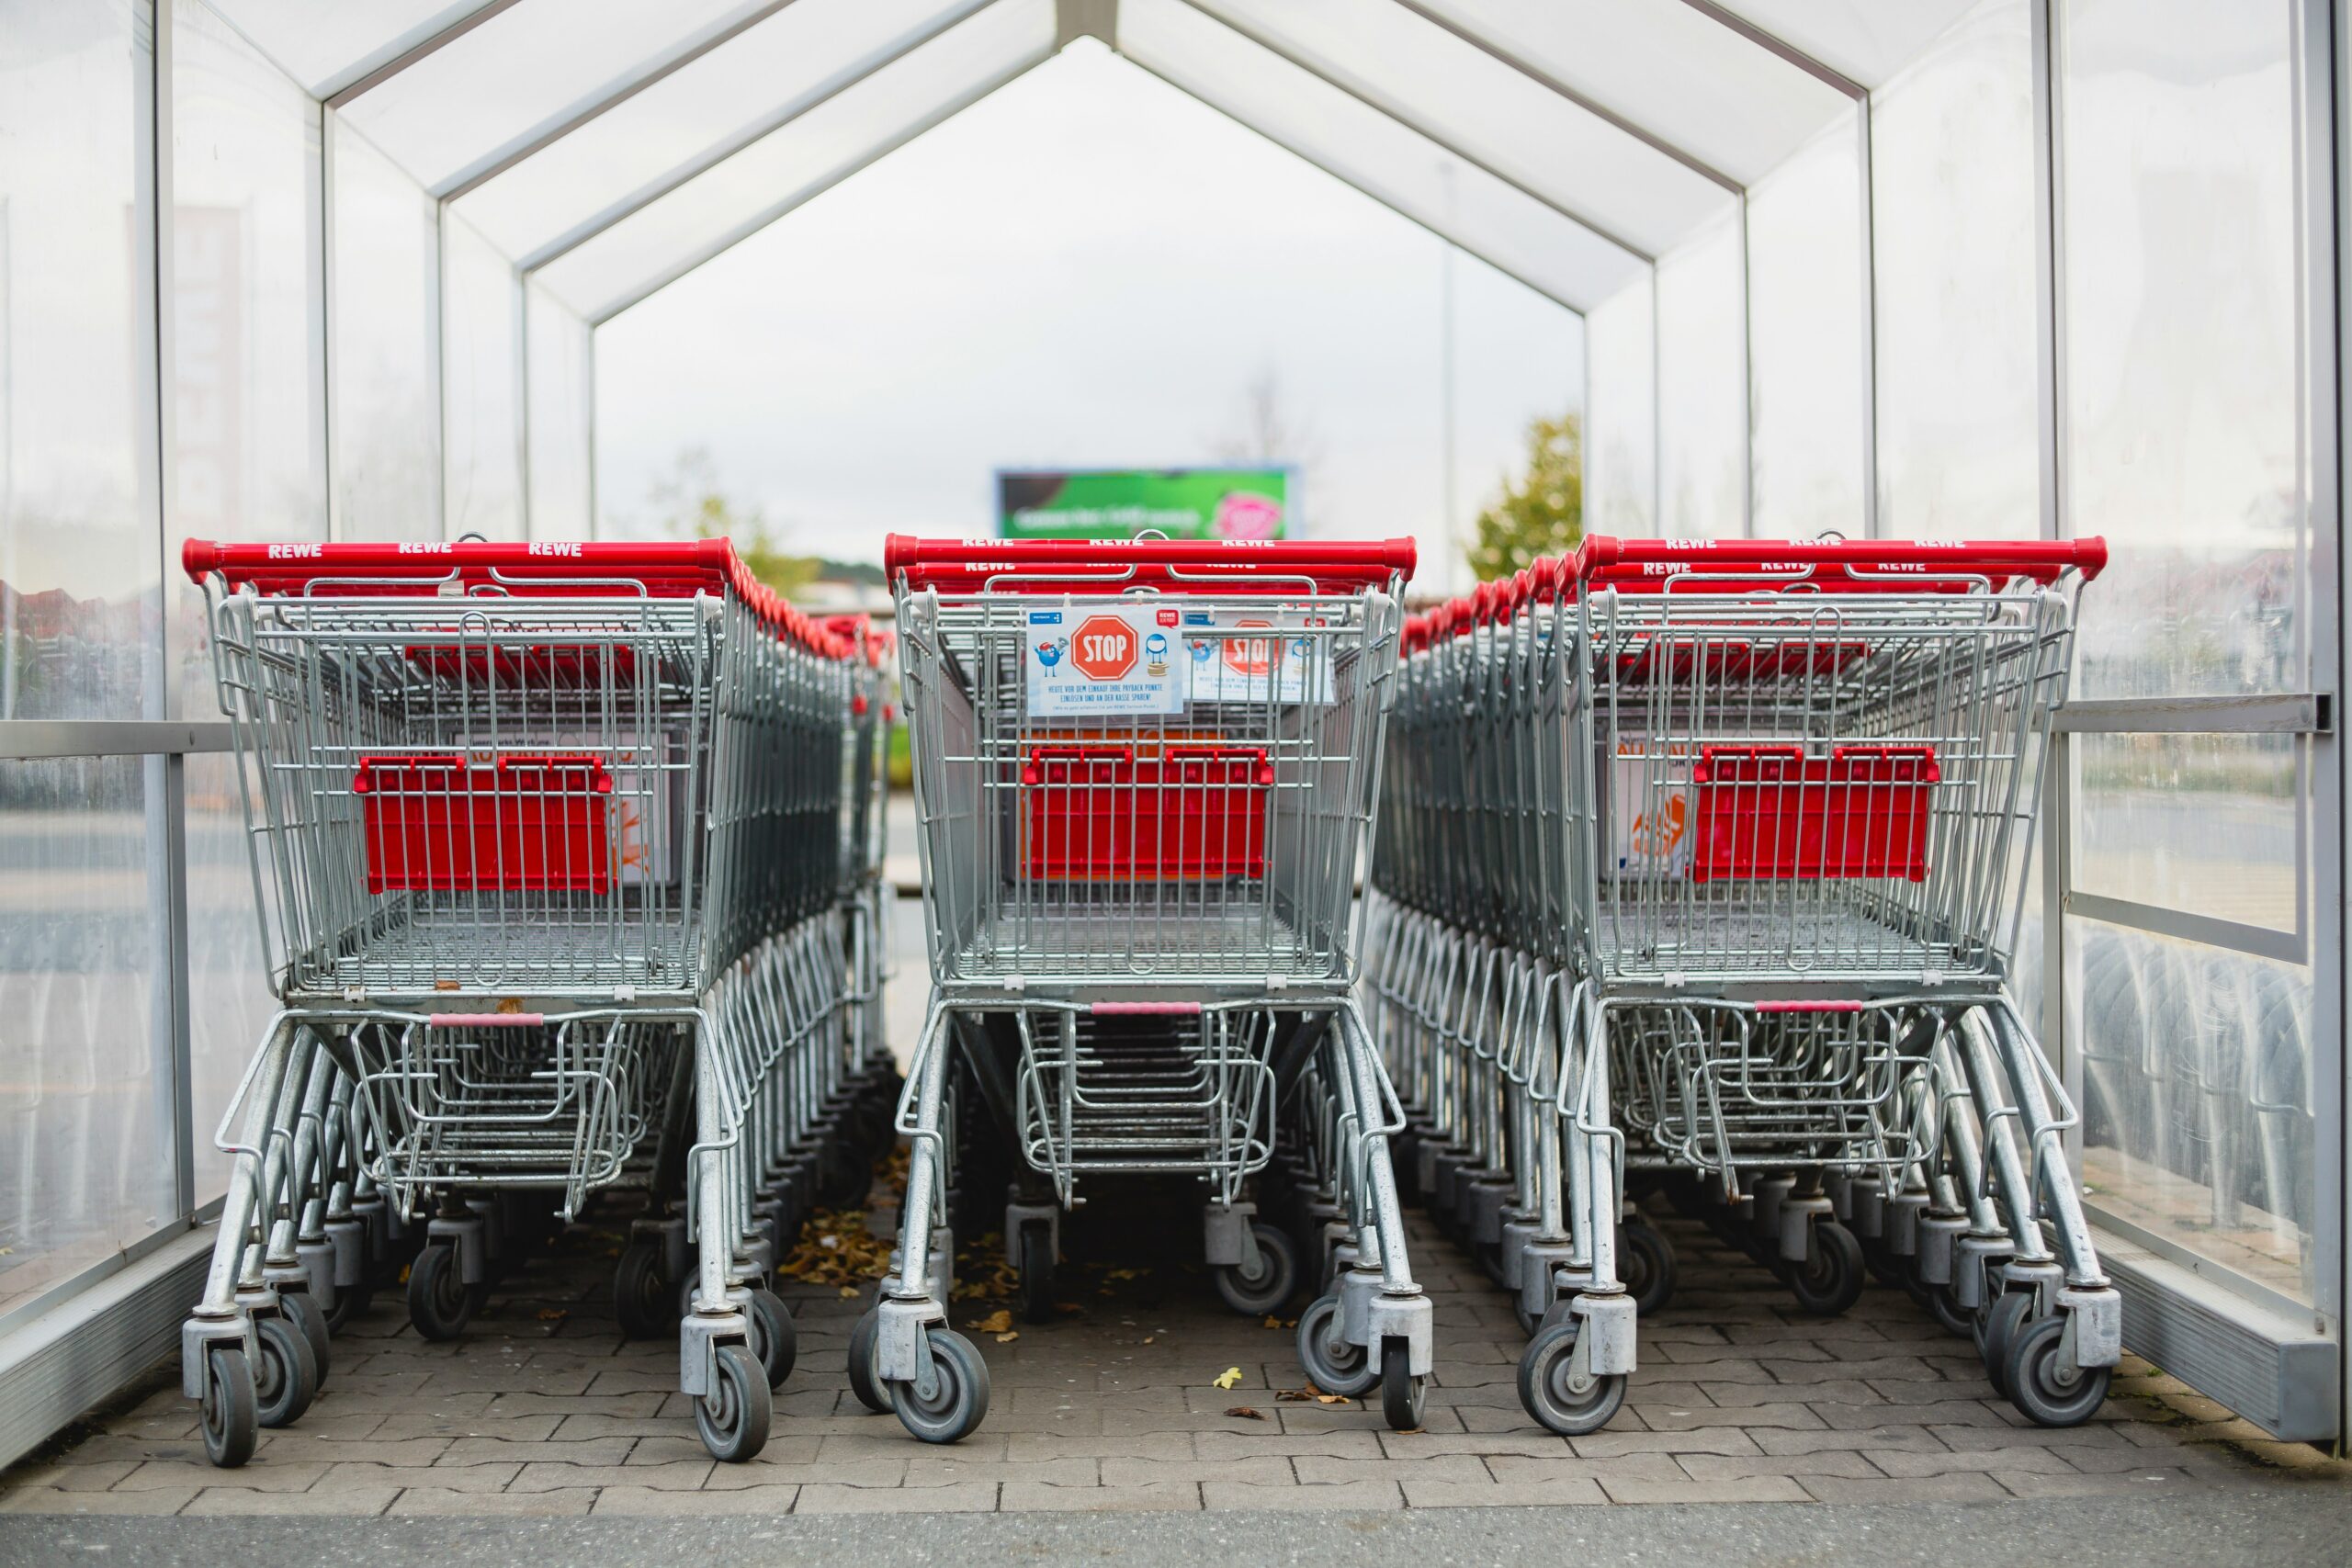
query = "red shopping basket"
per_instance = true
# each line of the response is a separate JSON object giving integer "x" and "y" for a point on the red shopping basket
{"x": 440, "y": 824}
{"x": 1100, "y": 813}
{"x": 1773, "y": 813}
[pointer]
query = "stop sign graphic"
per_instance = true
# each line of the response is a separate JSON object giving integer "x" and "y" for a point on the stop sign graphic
{"x": 1104, "y": 648}
{"x": 1249, "y": 655}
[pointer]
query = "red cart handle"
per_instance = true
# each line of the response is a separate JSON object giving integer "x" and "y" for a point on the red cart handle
{"x": 1064, "y": 566}
{"x": 1602, "y": 558}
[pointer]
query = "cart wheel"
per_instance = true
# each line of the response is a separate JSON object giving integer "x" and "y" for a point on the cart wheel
{"x": 1343, "y": 1367}
{"x": 286, "y": 1377}
{"x": 1529, "y": 1323}
{"x": 1037, "y": 1273}
{"x": 350, "y": 1301}
{"x": 439, "y": 1303}
{"x": 774, "y": 1341}
{"x": 1401, "y": 1393}
{"x": 231, "y": 1409}
{"x": 862, "y": 1381}
{"x": 959, "y": 1397}
{"x": 2047, "y": 1395}
{"x": 643, "y": 1303}
{"x": 1255, "y": 1292}
{"x": 302, "y": 1309}
{"x": 1945, "y": 1308}
{"x": 1997, "y": 1329}
{"x": 1645, "y": 1263}
{"x": 1831, "y": 1279}
{"x": 732, "y": 1418}
{"x": 1885, "y": 1265}
{"x": 1552, "y": 1393}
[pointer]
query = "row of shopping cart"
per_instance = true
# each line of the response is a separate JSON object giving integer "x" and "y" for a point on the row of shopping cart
{"x": 567, "y": 860}
{"x": 1699, "y": 868}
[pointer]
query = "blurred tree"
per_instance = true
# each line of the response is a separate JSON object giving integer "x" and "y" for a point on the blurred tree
{"x": 690, "y": 504}
{"x": 1542, "y": 512}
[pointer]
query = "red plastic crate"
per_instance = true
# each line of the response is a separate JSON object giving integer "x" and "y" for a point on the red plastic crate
{"x": 1099, "y": 812}
{"x": 562, "y": 667}
{"x": 439, "y": 824}
{"x": 1773, "y": 813}
{"x": 1733, "y": 661}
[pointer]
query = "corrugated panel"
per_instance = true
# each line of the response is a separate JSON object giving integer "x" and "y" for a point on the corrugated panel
{"x": 2277, "y": 1372}
{"x": 86, "y": 1350}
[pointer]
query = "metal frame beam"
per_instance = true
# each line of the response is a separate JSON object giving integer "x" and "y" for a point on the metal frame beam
{"x": 366, "y": 76}
{"x": 1779, "y": 46}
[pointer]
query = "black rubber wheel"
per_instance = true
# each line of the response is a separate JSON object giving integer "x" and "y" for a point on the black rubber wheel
{"x": 732, "y": 1418}
{"x": 1548, "y": 1390}
{"x": 1254, "y": 1292}
{"x": 1885, "y": 1265}
{"x": 862, "y": 1381}
{"x": 1997, "y": 1329}
{"x": 1401, "y": 1393}
{"x": 350, "y": 1301}
{"x": 1037, "y": 1258}
{"x": 302, "y": 1309}
{"x": 1945, "y": 1308}
{"x": 1343, "y": 1367}
{"x": 643, "y": 1303}
{"x": 1831, "y": 1279}
{"x": 958, "y": 1401}
{"x": 2037, "y": 1387}
{"x": 1529, "y": 1322}
{"x": 776, "y": 1342}
{"x": 1645, "y": 1263}
{"x": 286, "y": 1377}
{"x": 231, "y": 1409}
{"x": 439, "y": 1303}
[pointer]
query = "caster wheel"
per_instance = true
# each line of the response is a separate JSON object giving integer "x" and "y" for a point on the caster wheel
{"x": 774, "y": 1341}
{"x": 732, "y": 1418}
{"x": 439, "y": 1303}
{"x": 231, "y": 1408}
{"x": 1997, "y": 1329}
{"x": 1401, "y": 1393}
{"x": 1945, "y": 1308}
{"x": 862, "y": 1381}
{"x": 1831, "y": 1279}
{"x": 303, "y": 1311}
{"x": 1256, "y": 1292}
{"x": 1645, "y": 1263}
{"x": 959, "y": 1400}
{"x": 2047, "y": 1395}
{"x": 350, "y": 1301}
{"x": 1552, "y": 1392}
{"x": 1037, "y": 1273}
{"x": 1340, "y": 1368}
{"x": 643, "y": 1303}
{"x": 1885, "y": 1266}
{"x": 1529, "y": 1322}
{"x": 286, "y": 1379}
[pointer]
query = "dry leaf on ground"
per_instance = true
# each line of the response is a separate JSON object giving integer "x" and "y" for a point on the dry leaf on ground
{"x": 1228, "y": 1378}
{"x": 1246, "y": 1412}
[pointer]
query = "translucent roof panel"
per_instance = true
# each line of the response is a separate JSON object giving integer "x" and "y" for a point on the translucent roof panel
{"x": 1502, "y": 119}
{"x": 1663, "y": 66}
{"x": 1380, "y": 156}
{"x": 1867, "y": 40}
{"x": 326, "y": 48}
{"x": 738, "y": 196}
{"x": 526, "y": 73}
{"x": 693, "y": 118}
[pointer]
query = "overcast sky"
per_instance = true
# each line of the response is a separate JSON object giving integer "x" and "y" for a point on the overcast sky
{"x": 1089, "y": 268}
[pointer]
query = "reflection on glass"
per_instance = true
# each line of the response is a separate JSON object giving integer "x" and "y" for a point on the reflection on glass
{"x": 1620, "y": 491}
{"x": 2204, "y": 823}
{"x": 86, "y": 1097}
{"x": 481, "y": 367}
{"x": 384, "y": 354}
{"x": 560, "y": 361}
{"x": 229, "y": 994}
{"x": 2198, "y": 1113}
{"x": 1701, "y": 377}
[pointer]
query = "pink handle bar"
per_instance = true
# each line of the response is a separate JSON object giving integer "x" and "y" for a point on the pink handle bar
{"x": 1145, "y": 1010}
{"x": 486, "y": 1020}
{"x": 1809, "y": 1007}
{"x": 1058, "y": 565}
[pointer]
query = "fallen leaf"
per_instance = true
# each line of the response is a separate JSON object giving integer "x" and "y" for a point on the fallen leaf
{"x": 1069, "y": 1309}
{"x": 552, "y": 1315}
{"x": 1273, "y": 1321}
{"x": 849, "y": 1293}
{"x": 997, "y": 1322}
{"x": 1008, "y": 1337}
{"x": 1147, "y": 1339}
{"x": 1228, "y": 1378}
{"x": 1245, "y": 1413}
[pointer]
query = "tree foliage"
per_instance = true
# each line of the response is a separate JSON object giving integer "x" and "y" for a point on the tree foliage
{"x": 691, "y": 505}
{"x": 1542, "y": 513}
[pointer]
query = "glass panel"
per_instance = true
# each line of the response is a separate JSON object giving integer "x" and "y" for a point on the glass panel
{"x": 1620, "y": 346}
{"x": 523, "y": 73}
{"x": 721, "y": 102}
{"x": 1805, "y": 336}
{"x": 383, "y": 353}
{"x": 1867, "y": 40}
{"x": 2182, "y": 373}
{"x": 2198, "y": 1097}
{"x": 482, "y": 361}
{"x": 324, "y": 46}
{"x": 1701, "y": 382}
{"x": 1511, "y": 124}
{"x": 80, "y": 557}
{"x": 1951, "y": 179}
{"x": 2204, "y": 823}
{"x": 1380, "y": 157}
{"x": 86, "y": 1103}
{"x": 562, "y": 402}
{"x": 789, "y": 165}
{"x": 229, "y": 988}
{"x": 1666, "y": 67}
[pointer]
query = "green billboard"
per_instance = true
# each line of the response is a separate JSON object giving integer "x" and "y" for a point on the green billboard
{"x": 1119, "y": 504}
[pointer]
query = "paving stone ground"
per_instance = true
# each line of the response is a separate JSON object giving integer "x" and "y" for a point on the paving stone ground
{"x": 543, "y": 1409}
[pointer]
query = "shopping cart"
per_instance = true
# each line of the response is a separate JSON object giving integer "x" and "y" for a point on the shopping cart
{"x": 1771, "y": 895}
{"x": 1144, "y": 770}
{"x": 547, "y": 850}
